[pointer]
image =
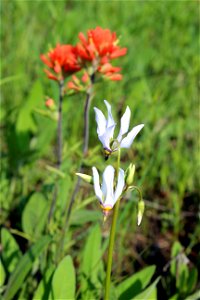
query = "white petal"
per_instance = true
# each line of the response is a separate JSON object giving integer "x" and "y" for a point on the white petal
{"x": 125, "y": 121}
{"x": 127, "y": 141}
{"x": 106, "y": 137}
{"x": 107, "y": 185}
{"x": 120, "y": 185}
{"x": 110, "y": 121}
{"x": 101, "y": 121}
{"x": 97, "y": 188}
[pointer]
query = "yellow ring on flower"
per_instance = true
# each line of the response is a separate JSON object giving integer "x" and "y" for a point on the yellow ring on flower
{"x": 106, "y": 208}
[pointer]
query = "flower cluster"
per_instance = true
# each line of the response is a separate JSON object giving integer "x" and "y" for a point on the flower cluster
{"x": 62, "y": 61}
{"x": 114, "y": 182}
{"x": 92, "y": 53}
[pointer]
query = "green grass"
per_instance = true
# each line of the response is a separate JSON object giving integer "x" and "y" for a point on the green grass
{"x": 160, "y": 85}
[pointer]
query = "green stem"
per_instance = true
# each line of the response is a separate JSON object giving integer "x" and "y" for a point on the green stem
{"x": 112, "y": 238}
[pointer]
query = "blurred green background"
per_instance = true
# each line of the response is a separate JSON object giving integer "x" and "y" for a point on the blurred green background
{"x": 160, "y": 84}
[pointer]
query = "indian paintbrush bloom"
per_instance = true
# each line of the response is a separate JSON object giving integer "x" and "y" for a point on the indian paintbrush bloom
{"x": 106, "y": 127}
{"x": 99, "y": 48}
{"x": 105, "y": 192}
{"x": 81, "y": 84}
{"x": 62, "y": 61}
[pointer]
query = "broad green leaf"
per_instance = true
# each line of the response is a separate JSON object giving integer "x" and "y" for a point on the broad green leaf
{"x": 64, "y": 281}
{"x": 11, "y": 252}
{"x": 132, "y": 286}
{"x": 25, "y": 121}
{"x": 2, "y": 273}
{"x": 35, "y": 214}
{"x": 45, "y": 134}
{"x": 83, "y": 216}
{"x": 150, "y": 293}
{"x": 91, "y": 266}
{"x": 43, "y": 290}
{"x": 24, "y": 266}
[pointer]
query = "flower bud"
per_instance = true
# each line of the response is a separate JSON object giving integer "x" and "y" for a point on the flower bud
{"x": 130, "y": 171}
{"x": 141, "y": 207}
{"x": 85, "y": 177}
{"x": 49, "y": 103}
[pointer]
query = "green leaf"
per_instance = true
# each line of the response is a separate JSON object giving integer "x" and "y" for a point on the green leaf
{"x": 91, "y": 267}
{"x": 192, "y": 280}
{"x": 176, "y": 249}
{"x": 35, "y": 215}
{"x": 24, "y": 266}
{"x": 195, "y": 296}
{"x": 25, "y": 121}
{"x": 132, "y": 286}
{"x": 11, "y": 252}
{"x": 44, "y": 286}
{"x": 64, "y": 281}
{"x": 150, "y": 293}
{"x": 83, "y": 216}
{"x": 2, "y": 273}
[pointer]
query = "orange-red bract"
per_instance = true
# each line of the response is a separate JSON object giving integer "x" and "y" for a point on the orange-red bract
{"x": 100, "y": 43}
{"x": 62, "y": 61}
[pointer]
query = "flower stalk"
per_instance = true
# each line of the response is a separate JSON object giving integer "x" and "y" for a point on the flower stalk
{"x": 86, "y": 115}
{"x": 59, "y": 129}
{"x": 112, "y": 238}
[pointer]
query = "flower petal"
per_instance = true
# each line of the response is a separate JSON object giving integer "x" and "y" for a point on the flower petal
{"x": 97, "y": 188}
{"x": 127, "y": 141}
{"x": 107, "y": 185}
{"x": 101, "y": 121}
{"x": 125, "y": 121}
{"x": 106, "y": 137}
{"x": 110, "y": 121}
{"x": 120, "y": 185}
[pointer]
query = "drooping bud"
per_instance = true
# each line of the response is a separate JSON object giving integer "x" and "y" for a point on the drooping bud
{"x": 130, "y": 171}
{"x": 85, "y": 177}
{"x": 141, "y": 207}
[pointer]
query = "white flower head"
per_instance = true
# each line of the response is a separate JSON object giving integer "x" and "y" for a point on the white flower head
{"x": 105, "y": 192}
{"x": 106, "y": 127}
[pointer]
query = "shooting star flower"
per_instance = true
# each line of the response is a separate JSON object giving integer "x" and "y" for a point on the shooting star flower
{"x": 106, "y": 127}
{"x": 105, "y": 192}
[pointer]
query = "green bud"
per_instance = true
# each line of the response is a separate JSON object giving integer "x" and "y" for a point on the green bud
{"x": 141, "y": 207}
{"x": 85, "y": 177}
{"x": 130, "y": 171}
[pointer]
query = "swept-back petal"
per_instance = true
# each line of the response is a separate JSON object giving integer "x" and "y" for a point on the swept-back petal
{"x": 106, "y": 137}
{"x": 125, "y": 121}
{"x": 107, "y": 185}
{"x": 97, "y": 188}
{"x": 120, "y": 185}
{"x": 127, "y": 141}
{"x": 101, "y": 121}
{"x": 110, "y": 121}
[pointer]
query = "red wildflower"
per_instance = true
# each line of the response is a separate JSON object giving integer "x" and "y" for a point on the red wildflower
{"x": 110, "y": 72}
{"x": 62, "y": 61}
{"x": 100, "y": 43}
